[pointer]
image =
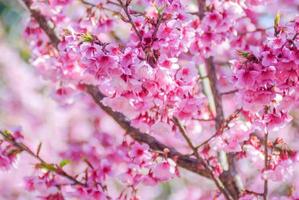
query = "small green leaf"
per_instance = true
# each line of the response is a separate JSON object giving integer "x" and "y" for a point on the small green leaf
{"x": 160, "y": 11}
{"x": 6, "y": 133}
{"x": 277, "y": 19}
{"x": 244, "y": 54}
{"x": 25, "y": 54}
{"x": 276, "y": 23}
{"x": 64, "y": 163}
{"x": 46, "y": 166}
{"x": 87, "y": 37}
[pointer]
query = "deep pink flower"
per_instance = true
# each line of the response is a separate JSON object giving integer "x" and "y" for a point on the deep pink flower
{"x": 247, "y": 78}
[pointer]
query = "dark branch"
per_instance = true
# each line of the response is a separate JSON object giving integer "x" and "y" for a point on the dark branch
{"x": 229, "y": 92}
{"x": 265, "y": 194}
{"x": 223, "y": 126}
{"x": 219, "y": 118}
{"x": 201, "y": 8}
{"x": 228, "y": 176}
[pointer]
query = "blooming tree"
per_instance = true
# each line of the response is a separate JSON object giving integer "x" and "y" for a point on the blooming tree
{"x": 152, "y": 87}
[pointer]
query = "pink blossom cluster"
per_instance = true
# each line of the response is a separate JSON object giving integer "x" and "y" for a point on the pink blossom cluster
{"x": 107, "y": 156}
{"x": 132, "y": 164}
{"x": 202, "y": 86}
{"x": 8, "y": 151}
{"x": 267, "y": 76}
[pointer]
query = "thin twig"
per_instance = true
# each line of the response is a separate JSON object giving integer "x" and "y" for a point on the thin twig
{"x": 203, "y": 120}
{"x": 252, "y": 192}
{"x": 88, "y": 3}
{"x": 130, "y": 20}
{"x": 100, "y": 6}
{"x": 219, "y": 118}
{"x": 265, "y": 194}
{"x": 221, "y": 130}
{"x": 201, "y": 4}
{"x": 184, "y": 134}
{"x": 150, "y": 55}
{"x": 228, "y": 176}
{"x": 229, "y": 92}
{"x": 159, "y": 21}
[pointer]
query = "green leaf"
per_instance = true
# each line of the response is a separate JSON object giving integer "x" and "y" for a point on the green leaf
{"x": 160, "y": 11}
{"x": 87, "y": 37}
{"x": 64, "y": 163}
{"x": 25, "y": 54}
{"x": 276, "y": 23}
{"x": 277, "y": 19}
{"x": 46, "y": 166}
{"x": 244, "y": 54}
{"x": 6, "y": 133}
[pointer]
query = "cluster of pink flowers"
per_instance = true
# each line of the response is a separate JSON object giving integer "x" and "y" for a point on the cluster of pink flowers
{"x": 8, "y": 151}
{"x": 281, "y": 158}
{"x": 144, "y": 79}
{"x": 267, "y": 76}
{"x": 132, "y": 164}
{"x": 150, "y": 78}
{"x": 163, "y": 70}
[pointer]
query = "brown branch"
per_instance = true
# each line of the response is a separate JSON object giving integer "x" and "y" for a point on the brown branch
{"x": 100, "y": 7}
{"x": 252, "y": 192}
{"x": 201, "y": 4}
{"x": 159, "y": 21}
{"x": 130, "y": 20}
{"x": 224, "y": 126}
{"x": 265, "y": 194}
{"x": 184, "y": 134}
{"x": 203, "y": 120}
{"x": 228, "y": 176}
{"x": 219, "y": 118}
{"x": 88, "y": 3}
{"x": 229, "y": 92}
